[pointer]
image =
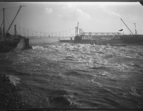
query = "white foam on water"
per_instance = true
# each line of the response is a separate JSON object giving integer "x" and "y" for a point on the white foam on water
{"x": 105, "y": 63}
{"x": 13, "y": 79}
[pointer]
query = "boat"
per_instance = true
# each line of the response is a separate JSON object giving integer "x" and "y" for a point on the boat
{"x": 122, "y": 40}
{"x": 106, "y": 38}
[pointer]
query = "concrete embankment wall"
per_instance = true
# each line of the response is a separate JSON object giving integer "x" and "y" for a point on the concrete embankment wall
{"x": 23, "y": 44}
{"x": 27, "y": 43}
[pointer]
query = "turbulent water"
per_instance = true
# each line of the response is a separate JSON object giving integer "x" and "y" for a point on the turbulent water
{"x": 78, "y": 75}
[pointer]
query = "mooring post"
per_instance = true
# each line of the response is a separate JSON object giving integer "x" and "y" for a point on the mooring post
{"x": 15, "y": 32}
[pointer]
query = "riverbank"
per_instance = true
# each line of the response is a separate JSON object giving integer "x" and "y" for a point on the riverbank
{"x": 9, "y": 97}
{"x": 9, "y": 90}
{"x": 16, "y": 93}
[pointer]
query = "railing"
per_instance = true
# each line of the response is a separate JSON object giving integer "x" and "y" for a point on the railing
{"x": 100, "y": 33}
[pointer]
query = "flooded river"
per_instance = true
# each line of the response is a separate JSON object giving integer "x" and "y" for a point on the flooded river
{"x": 78, "y": 75}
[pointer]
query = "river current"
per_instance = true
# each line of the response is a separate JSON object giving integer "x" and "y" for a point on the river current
{"x": 78, "y": 75}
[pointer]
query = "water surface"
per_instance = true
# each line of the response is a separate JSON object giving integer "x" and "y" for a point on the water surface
{"x": 78, "y": 75}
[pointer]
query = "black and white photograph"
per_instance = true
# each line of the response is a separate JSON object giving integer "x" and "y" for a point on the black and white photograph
{"x": 71, "y": 55}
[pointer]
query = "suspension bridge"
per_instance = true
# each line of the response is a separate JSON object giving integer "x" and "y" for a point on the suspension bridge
{"x": 69, "y": 33}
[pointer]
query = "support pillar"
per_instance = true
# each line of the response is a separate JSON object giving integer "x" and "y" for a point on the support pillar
{"x": 15, "y": 32}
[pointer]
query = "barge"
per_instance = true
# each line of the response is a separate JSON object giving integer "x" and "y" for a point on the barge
{"x": 106, "y": 38}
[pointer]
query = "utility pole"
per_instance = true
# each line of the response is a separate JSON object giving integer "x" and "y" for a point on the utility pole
{"x": 0, "y": 31}
{"x": 19, "y": 30}
{"x": 1, "y": 28}
{"x": 3, "y": 22}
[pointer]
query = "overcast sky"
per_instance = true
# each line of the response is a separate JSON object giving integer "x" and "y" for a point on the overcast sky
{"x": 61, "y": 16}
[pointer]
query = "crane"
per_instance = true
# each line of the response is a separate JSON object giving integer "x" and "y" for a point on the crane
{"x": 127, "y": 27}
{"x": 14, "y": 18}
